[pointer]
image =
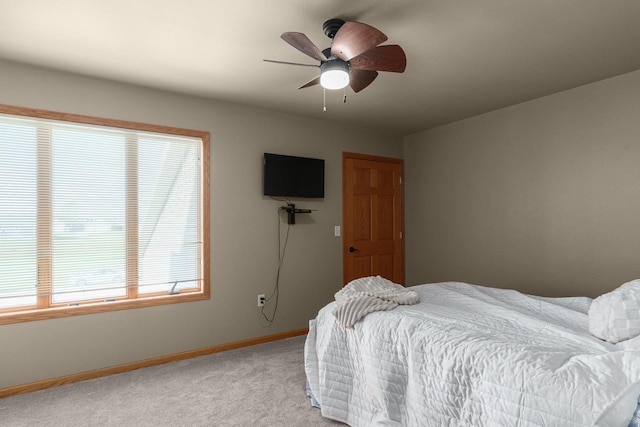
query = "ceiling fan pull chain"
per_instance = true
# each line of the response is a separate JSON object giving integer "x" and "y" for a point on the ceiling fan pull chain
{"x": 324, "y": 100}
{"x": 344, "y": 96}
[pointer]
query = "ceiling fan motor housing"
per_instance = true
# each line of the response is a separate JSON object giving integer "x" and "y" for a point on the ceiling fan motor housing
{"x": 331, "y": 27}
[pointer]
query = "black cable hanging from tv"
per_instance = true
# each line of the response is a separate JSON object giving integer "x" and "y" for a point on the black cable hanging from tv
{"x": 276, "y": 289}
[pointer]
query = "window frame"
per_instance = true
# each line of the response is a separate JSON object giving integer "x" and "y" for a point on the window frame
{"x": 22, "y": 314}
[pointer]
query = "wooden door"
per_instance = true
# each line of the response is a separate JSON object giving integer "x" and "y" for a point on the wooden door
{"x": 372, "y": 217}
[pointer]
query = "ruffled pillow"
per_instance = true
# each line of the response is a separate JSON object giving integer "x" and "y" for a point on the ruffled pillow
{"x": 615, "y": 316}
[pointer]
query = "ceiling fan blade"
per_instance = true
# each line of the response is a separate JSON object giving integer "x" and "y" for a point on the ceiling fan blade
{"x": 355, "y": 38}
{"x": 311, "y": 83}
{"x": 359, "y": 79}
{"x": 291, "y": 63}
{"x": 381, "y": 58}
{"x": 304, "y": 45}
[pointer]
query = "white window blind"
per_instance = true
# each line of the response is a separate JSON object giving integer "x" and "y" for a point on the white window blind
{"x": 18, "y": 219}
{"x": 94, "y": 213}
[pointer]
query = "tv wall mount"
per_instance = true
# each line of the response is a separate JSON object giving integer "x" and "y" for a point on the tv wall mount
{"x": 292, "y": 211}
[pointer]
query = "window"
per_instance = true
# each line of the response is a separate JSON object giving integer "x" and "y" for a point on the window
{"x": 99, "y": 215}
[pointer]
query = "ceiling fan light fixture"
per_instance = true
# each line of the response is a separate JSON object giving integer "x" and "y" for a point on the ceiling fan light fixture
{"x": 334, "y": 74}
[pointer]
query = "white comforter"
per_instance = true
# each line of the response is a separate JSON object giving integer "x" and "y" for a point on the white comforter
{"x": 471, "y": 356}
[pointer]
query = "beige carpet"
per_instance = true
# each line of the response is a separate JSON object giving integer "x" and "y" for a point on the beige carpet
{"x": 262, "y": 385}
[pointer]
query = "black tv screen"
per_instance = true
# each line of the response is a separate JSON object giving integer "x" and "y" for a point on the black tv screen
{"x": 290, "y": 176}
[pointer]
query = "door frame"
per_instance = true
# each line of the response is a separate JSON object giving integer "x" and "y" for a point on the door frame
{"x": 345, "y": 245}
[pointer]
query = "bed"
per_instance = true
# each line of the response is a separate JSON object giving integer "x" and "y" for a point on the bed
{"x": 467, "y": 355}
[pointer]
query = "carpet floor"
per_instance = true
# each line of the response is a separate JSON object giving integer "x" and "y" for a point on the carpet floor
{"x": 262, "y": 385}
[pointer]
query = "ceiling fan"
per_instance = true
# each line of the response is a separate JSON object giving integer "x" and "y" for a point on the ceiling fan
{"x": 354, "y": 57}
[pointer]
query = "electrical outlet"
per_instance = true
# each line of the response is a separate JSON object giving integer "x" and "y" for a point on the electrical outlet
{"x": 261, "y": 299}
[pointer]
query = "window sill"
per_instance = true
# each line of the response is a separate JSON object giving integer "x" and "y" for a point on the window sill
{"x": 101, "y": 307}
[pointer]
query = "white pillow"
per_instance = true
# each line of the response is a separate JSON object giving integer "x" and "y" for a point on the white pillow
{"x": 615, "y": 316}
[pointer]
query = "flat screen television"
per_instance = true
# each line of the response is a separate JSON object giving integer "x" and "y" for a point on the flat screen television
{"x": 290, "y": 176}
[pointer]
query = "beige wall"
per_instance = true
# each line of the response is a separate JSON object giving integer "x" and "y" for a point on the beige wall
{"x": 243, "y": 229}
{"x": 542, "y": 196}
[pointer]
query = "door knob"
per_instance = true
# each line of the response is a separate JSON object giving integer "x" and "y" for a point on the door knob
{"x": 352, "y": 249}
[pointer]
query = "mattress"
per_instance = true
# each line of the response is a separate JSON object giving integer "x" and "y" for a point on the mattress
{"x": 472, "y": 356}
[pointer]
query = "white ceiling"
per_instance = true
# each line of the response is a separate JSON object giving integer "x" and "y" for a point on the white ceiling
{"x": 464, "y": 57}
